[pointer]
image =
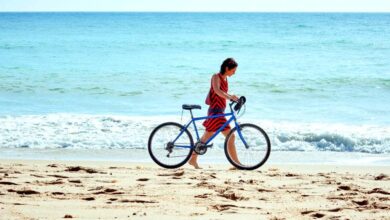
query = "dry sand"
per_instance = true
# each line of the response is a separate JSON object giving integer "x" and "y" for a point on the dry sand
{"x": 104, "y": 190}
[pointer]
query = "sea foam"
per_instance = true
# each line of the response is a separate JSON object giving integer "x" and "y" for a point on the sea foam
{"x": 78, "y": 131}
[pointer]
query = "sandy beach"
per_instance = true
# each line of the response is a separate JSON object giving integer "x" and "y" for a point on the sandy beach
{"x": 31, "y": 189}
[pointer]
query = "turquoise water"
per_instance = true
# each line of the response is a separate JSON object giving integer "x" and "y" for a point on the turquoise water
{"x": 315, "y": 82}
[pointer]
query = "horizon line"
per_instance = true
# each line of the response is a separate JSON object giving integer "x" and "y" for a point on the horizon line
{"x": 388, "y": 12}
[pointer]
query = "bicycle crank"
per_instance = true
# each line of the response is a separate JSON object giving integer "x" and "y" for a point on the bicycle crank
{"x": 201, "y": 148}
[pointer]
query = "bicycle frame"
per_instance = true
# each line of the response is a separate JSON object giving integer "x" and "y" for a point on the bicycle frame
{"x": 194, "y": 119}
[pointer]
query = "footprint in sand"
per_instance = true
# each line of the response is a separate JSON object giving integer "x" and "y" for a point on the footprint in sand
{"x": 343, "y": 187}
{"x": 306, "y": 212}
{"x": 206, "y": 184}
{"x": 381, "y": 177}
{"x": 52, "y": 165}
{"x": 106, "y": 191}
{"x": 335, "y": 210}
{"x": 79, "y": 168}
{"x": 265, "y": 190}
{"x": 380, "y": 206}
{"x": 55, "y": 182}
{"x": 378, "y": 190}
{"x": 180, "y": 173}
{"x": 74, "y": 181}
{"x": 361, "y": 202}
{"x": 203, "y": 196}
{"x": 317, "y": 215}
{"x": 251, "y": 181}
{"x": 320, "y": 215}
{"x": 291, "y": 175}
{"x": 7, "y": 183}
{"x": 176, "y": 178}
{"x": 24, "y": 192}
{"x": 230, "y": 195}
{"x": 223, "y": 207}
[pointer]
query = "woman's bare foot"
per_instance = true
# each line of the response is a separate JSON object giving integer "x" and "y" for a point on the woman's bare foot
{"x": 194, "y": 164}
{"x": 235, "y": 168}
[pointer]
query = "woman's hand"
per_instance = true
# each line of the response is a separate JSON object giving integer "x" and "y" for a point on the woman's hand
{"x": 233, "y": 98}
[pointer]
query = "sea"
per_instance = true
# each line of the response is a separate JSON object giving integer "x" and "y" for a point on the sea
{"x": 92, "y": 86}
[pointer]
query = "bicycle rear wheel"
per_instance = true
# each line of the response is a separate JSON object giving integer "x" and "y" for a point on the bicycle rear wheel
{"x": 170, "y": 145}
{"x": 252, "y": 147}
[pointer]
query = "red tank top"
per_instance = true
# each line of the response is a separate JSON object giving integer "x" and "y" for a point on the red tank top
{"x": 216, "y": 101}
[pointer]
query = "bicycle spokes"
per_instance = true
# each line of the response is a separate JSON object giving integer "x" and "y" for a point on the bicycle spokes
{"x": 248, "y": 148}
{"x": 170, "y": 145}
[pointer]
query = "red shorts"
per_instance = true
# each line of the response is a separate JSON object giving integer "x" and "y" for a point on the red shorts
{"x": 213, "y": 124}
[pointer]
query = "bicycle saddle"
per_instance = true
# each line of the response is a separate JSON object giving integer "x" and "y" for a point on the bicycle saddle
{"x": 189, "y": 107}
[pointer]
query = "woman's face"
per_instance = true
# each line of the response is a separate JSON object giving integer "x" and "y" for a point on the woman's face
{"x": 231, "y": 71}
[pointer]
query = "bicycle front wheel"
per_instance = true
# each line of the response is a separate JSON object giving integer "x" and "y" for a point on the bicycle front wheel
{"x": 247, "y": 148}
{"x": 170, "y": 145}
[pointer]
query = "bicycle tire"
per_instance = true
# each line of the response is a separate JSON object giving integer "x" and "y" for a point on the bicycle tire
{"x": 151, "y": 150}
{"x": 267, "y": 147}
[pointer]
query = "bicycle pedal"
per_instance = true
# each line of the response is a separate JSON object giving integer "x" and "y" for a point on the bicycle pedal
{"x": 210, "y": 145}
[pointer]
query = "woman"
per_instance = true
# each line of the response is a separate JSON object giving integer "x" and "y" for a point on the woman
{"x": 216, "y": 98}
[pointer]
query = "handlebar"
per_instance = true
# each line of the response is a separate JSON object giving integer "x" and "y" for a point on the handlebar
{"x": 241, "y": 101}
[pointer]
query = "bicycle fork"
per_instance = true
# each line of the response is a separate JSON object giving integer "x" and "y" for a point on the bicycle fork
{"x": 238, "y": 127}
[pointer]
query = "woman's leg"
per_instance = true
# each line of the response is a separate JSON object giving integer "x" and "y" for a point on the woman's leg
{"x": 231, "y": 147}
{"x": 194, "y": 156}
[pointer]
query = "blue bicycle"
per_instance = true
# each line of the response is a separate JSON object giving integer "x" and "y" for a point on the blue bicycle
{"x": 170, "y": 144}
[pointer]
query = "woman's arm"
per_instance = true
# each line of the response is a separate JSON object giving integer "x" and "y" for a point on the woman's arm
{"x": 216, "y": 83}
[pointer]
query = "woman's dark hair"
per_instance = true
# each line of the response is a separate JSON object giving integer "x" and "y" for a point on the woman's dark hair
{"x": 230, "y": 63}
